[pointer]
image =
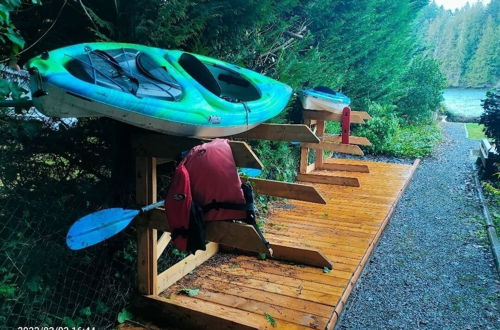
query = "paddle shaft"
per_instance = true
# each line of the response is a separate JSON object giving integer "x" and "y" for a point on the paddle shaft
{"x": 151, "y": 206}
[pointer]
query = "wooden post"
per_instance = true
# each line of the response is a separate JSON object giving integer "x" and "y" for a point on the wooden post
{"x": 320, "y": 132}
{"x": 304, "y": 154}
{"x": 146, "y": 190}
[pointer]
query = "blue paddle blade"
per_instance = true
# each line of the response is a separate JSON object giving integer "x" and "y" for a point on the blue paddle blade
{"x": 251, "y": 172}
{"x": 98, "y": 226}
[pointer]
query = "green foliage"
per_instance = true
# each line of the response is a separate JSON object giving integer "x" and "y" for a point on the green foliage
{"x": 180, "y": 254}
{"x": 390, "y": 134}
{"x": 34, "y": 284}
{"x": 270, "y": 319}
{"x": 465, "y": 42}
{"x": 192, "y": 292}
{"x": 492, "y": 190}
{"x": 414, "y": 141}
{"x": 281, "y": 155}
{"x": 124, "y": 316}
{"x": 7, "y": 290}
{"x": 483, "y": 68}
{"x": 85, "y": 311}
{"x": 491, "y": 115}
{"x": 11, "y": 40}
{"x": 381, "y": 128}
{"x": 422, "y": 91}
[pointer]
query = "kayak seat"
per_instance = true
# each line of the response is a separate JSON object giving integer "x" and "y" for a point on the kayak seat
{"x": 148, "y": 67}
{"x": 127, "y": 70}
{"x": 196, "y": 69}
{"x": 232, "y": 80}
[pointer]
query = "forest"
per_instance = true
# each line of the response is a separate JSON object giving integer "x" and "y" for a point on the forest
{"x": 52, "y": 172}
{"x": 464, "y": 41}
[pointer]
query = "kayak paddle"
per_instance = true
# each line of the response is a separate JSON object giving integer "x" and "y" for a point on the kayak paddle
{"x": 101, "y": 225}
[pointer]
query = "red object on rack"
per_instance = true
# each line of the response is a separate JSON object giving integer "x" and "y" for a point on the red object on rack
{"x": 346, "y": 125}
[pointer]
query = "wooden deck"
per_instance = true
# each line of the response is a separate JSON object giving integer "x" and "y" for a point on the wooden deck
{"x": 240, "y": 291}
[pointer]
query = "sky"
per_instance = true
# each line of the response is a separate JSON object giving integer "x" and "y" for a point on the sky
{"x": 453, "y": 4}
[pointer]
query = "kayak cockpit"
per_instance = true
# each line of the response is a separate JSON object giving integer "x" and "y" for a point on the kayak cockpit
{"x": 128, "y": 70}
{"x": 220, "y": 80}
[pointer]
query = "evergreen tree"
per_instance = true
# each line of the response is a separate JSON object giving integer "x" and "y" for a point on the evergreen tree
{"x": 463, "y": 42}
{"x": 485, "y": 64}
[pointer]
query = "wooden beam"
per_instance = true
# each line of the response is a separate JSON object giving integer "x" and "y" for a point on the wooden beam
{"x": 330, "y": 116}
{"x": 244, "y": 155}
{"x": 310, "y": 168}
{"x": 358, "y": 140}
{"x": 241, "y": 237}
{"x": 170, "y": 147}
{"x": 145, "y": 180}
{"x": 156, "y": 219}
{"x": 344, "y": 167}
{"x": 185, "y": 266}
{"x": 304, "y": 158}
{"x": 328, "y": 179}
{"x": 320, "y": 131}
{"x": 280, "y": 132}
{"x": 147, "y": 267}
{"x": 363, "y": 114}
{"x": 235, "y": 235}
{"x": 244, "y": 237}
{"x": 295, "y": 191}
{"x": 350, "y": 149}
{"x": 162, "y": 244}
{"x": 188, "y": 313}
{"x": 303, "y": 256}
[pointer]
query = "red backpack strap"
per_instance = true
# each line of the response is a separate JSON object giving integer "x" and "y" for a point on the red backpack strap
{"x": 178, "y": 207}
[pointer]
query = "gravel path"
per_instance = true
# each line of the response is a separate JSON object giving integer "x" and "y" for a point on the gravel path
{"x": 433, "y": 267}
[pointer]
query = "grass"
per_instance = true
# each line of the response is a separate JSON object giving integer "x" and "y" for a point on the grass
{"x": 475, "y": 131}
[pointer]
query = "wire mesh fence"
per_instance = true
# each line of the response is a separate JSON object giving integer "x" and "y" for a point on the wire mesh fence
{"x": 50, "y": 176}
{"x": 43, "y": 283}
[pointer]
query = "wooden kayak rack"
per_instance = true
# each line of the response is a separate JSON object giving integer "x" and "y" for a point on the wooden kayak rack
{"x": 153, "y": 234}
{"x": 343, "y": 143}
{"x": 153, "y": 148}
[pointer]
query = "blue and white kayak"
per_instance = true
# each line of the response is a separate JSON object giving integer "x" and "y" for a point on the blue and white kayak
{"x": 323, "y": 98}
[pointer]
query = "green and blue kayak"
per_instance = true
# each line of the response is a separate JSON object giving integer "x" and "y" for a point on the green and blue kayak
{"x": 168, "y": 91}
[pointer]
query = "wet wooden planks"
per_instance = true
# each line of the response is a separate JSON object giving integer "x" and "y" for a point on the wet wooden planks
{"x": 239, "y": 291}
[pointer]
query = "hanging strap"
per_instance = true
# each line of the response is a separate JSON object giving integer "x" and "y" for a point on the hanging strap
{"x": 183, "y": 231}
{"x": 247, "y": 111}
{"x": 249, "y": 207}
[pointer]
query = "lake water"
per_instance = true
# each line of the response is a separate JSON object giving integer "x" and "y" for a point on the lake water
{"x": 464, "y": 102}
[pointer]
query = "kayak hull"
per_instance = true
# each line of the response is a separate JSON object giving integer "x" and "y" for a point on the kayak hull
{"x": 312, "y": 100}
{"x": 195, "y": 111}
{"x": 64, "y": 105}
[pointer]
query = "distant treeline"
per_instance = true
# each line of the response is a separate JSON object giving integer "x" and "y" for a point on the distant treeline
{"x": 466, "y": 42}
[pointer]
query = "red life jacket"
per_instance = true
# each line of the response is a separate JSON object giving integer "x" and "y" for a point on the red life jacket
{"x": 206, "y": 187}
